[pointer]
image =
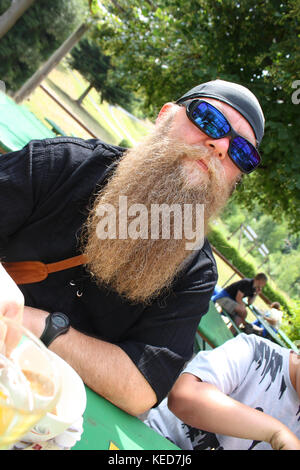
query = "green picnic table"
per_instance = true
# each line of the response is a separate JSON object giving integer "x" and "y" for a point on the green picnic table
{"x": 106, "y": 427}
{"x": 18, "y": 125}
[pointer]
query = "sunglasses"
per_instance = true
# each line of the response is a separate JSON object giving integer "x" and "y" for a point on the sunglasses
{"x": 214, "y": 124}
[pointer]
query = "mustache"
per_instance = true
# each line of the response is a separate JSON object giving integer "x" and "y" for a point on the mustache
{"x": 206, "y": 155}
{"x": 196, "y": 152}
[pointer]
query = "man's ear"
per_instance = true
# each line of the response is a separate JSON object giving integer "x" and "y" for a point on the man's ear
{"x": 166, "y": 107}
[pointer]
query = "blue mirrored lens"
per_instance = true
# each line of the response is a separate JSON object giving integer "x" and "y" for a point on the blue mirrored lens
{"x": 244, "y": 154}
{"x": 210, "y": 120}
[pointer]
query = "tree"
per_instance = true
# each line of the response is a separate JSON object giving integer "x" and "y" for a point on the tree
{"x": 283, "y": 261}
{"x": 285, "y": 270}
{"x": 99, "y": 71}
{"x": 38, "y": 33}
{"x": 12, "y": 14}
{"x": 37, "y": 78}
{"x": 169, "y": 46}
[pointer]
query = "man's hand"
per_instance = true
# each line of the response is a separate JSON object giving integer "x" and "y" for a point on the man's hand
{"x": 11, "y": 298}
{"x": 11, "y": 306}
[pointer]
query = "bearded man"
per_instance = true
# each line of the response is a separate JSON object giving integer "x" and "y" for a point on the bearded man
{"x": 126, "y": 318}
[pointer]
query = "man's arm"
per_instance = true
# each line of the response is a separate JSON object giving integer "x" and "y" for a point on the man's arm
{"x": 239, "y": 297}
{"x": 11, "y": 298}
{"x": 205, "y": 407}
{"x": 103, "y": 366}
{"x": 251, "y": 299}
{"x": 11, "y": 306}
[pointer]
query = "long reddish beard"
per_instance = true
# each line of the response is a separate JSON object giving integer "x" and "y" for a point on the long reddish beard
{"x": 154, "y": 172}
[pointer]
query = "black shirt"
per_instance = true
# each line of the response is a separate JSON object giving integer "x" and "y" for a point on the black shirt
{"x": 245, "y": 286}
{"x": 46, "y": 191}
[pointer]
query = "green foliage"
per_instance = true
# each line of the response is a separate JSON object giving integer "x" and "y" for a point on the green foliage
{"x": 287, "y": 274}
{"x": 167, "y": 47}
{"x": 284, "y": 247}
{"x": 291, "y": 325}
{"x": 219, "y": 241}
{"x": 98, "y": 70}
{"x": 245, "y": 267}
{"x": 125, "y": 143}
{"x": 35, "y": 36}
{"x": 87, "y": 58}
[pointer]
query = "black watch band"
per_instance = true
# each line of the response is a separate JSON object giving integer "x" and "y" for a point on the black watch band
{"x": 57, "y": 324}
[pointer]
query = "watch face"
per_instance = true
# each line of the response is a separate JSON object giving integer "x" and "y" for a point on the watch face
{"x": 59, "y": 321}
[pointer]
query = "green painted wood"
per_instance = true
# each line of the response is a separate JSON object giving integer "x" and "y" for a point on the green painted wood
{"x": 107, "y": 427}
{"x": 213, "y": 328}
{"x": 55, "y": 128}
{"x": 18, "y": 125}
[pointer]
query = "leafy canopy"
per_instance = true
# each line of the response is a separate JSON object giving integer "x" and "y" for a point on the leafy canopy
{"x": 167, "y": 46}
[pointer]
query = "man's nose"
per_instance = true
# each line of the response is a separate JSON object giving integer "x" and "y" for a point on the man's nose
{"x": 220, "y": 146}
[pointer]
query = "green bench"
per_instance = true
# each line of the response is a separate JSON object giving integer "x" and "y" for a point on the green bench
{"x": 212, "y": 328}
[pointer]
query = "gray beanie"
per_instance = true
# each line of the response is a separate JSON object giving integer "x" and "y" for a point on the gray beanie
{"x": 237, "y": 96}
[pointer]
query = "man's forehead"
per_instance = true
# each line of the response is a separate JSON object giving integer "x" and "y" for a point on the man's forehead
{"x": 260, "y": 281}
{"x": 238, "y": 122}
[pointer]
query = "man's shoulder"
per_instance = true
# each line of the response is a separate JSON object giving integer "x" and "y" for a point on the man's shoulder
{"x": 73, "y": 143}
{"x": 65, "y": 156}
{"x": 197, "y": 257}
{"x": 243, "y": 283}
{"x": 200, "y": 266}
{"x": 245, "y": 280}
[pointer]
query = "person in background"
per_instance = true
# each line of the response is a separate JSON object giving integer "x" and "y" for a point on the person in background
{"x": 243, "y": 395}
{"x": 273, "y": 316}
{"x": 231, "y": 297}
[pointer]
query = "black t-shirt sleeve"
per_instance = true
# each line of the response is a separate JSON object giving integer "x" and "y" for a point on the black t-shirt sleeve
{"x": 162, "y": 341}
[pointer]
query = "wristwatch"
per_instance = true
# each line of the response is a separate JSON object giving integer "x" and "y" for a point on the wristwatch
{"x": 57, "y": 324}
